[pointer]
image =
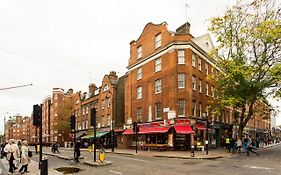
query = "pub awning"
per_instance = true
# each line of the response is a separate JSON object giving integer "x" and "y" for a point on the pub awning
{"x": 91, "y": 135}
{"x": 201, "y": 127}
{"x": 148, "y": 130}
{"x": 183, "y": 129}
{"x": 80, "y": 133}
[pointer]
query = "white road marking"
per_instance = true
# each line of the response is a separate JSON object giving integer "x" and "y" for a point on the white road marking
{"x": 129, "y": 158}
{"x": 257, "y": 167}
{"x": 115, "y": 172}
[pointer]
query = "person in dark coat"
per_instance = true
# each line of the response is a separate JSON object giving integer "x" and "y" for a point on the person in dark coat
{"x": 77, "y": 150}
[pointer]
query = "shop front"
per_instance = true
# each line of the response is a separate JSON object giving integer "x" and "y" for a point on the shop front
{"x": 103, "y": 139}
{"x": 149, "y": 137}
{"x": 215, "y": 135}
{"x": 176, "y": 134}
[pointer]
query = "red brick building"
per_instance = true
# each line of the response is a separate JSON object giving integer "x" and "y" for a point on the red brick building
{"x": 167, "y": 89}
{"x": 108, "y": 111}
{"x": 166, "y": 82}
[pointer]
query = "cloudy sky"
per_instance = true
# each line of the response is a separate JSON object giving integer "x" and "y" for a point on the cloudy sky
{"x": 71, "y": 43}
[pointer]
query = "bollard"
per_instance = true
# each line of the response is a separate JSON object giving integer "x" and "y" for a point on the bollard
{"x": 192, "y": 151}
{"x": 44, "y": 166}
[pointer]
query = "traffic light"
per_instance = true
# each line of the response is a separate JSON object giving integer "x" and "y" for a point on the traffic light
{"x": 135, "y": 127}
{"x": 37, "y": 115}
{"x": 72, "y": 122}
{"x": 93, "y": 116}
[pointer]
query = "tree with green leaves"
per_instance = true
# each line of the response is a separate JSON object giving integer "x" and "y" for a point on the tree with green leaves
{"x": 249, "y": 51}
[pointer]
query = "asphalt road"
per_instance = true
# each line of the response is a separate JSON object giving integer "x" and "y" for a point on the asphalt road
{"x": 268, "y": 162}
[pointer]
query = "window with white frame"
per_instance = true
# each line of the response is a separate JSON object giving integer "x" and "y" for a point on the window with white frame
{"x": 193, "y": 82}
{"x": 200, "y": 109}
{"x": 200, "y": 64}
{"x": 207, "y": 89}
{"x": 158, "y": 110}
{"x": 193, "y": 59}
{"x": 181, "y": 107}
{"x": 181, "y": 81}
{"x": 108, "y": 120}
{"x": 139, "y": 92}
{"x": 212, "y": 72}
{"x": 106, "y": 88}
{"x": 87, "y": 124}
{"x": 157, "y": 40}
{"x": 139, "y": 52}
{"x": 139, "y": 73}
{"x": 181, "y": 56}
{"x": 158, "y": 88}
{"x": 207, "y": 68}
{"x": 157, "y": 64}
{"x": 87, "y": 109}
{"x": 193, "y": 109}
{"x": 200, "y": 85}
{"x": 139, "y": 113}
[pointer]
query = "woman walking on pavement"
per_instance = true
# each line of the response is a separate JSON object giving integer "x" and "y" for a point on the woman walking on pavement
{"x": 12, "y": 154}
{"x": 251, "y": 147}
{"x": 25, "y": 160}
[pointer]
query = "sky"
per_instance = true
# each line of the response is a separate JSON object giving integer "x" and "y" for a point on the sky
{"x": 71, "y": 43}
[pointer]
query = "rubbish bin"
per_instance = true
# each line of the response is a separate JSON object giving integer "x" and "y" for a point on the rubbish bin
{"x": 44, "y": 166}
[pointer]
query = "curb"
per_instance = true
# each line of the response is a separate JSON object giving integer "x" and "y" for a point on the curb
{"x": 129, "y": 154}
{"x": 97, "y": 164}
{"x": 196, "y": 158}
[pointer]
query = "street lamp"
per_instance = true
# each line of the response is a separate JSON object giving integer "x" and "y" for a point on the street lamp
{"x": 112, "y": 136}
{"x": 207, "y": 132}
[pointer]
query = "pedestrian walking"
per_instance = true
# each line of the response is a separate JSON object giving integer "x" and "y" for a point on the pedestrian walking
{"x": 35, "y": 147}
{"x": 12, "y": 154}
{"x": 239, "y": 144}
{"x": 222, "y": 141}
{"x": 77, "y": 150}
{"x": 55, "y": 147}
{"x": 227, "y": 142}
{"x": 25, "y": 159}
{"x": 251, "y": 147}
{"x": 3, "y": 153}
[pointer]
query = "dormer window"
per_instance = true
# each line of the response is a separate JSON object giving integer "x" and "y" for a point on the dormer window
{"x": 139, "y": 52}
{"x": 105, "y": 88}
{"x": 157, "y": 40}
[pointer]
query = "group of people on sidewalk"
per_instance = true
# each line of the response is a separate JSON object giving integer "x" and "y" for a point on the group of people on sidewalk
{"x": 17, "y": 154}
{"x": 233, "y": 145}
{"x": 77, "y": 147}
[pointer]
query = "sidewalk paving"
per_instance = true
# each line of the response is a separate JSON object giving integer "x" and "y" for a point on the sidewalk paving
{"x": 32, "y": 168}
{"x": 212, "y": 153}
{"x": 68, "y": 155}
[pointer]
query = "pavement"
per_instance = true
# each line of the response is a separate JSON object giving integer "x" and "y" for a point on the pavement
{"x": 67, "y": 154}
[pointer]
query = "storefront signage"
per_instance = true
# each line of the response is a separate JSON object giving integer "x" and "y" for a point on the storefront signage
{"x": 171, "y": 114}
{"x": 166, "y": 109}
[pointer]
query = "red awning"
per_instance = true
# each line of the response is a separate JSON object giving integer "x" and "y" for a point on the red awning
{"x": 183, "y": 129}
{"x": 128, "y": 131}
{"x": 148, "y": 130}
{"x": 200, "y": 127}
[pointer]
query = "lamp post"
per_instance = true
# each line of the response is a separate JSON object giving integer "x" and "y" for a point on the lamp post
{"x": 112, "y": 136}
{"x": 207, "y": 132}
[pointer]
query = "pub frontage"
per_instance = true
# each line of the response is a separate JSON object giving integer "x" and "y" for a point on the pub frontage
{"x": 174, "y": 134}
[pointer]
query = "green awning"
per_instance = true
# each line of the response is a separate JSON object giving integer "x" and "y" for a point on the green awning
{"x": 90, "y": 135}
